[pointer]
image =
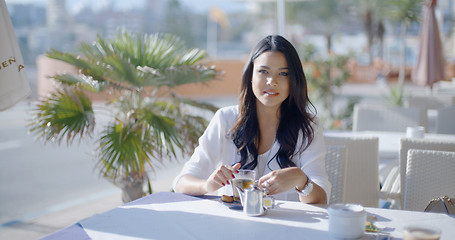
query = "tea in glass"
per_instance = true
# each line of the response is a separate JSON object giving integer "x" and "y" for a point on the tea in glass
{"x": 244, "y": 179}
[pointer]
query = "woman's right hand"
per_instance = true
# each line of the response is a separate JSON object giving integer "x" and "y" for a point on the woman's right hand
{"x": 221, "y": 177}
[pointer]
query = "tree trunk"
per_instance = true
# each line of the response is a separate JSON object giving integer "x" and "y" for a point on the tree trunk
{"x": 401, "y": 76}
{"x": 132, "y": 188}
{"x": 329, "y": 42}
{"x": 380, "y": 33}
{"x": 368, "y": 26}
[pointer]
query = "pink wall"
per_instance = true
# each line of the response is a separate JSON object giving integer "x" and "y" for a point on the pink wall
{"x": 228, "y": 83}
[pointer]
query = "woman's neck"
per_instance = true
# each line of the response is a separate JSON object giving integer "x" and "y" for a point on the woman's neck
{"x": 268, "y": 125}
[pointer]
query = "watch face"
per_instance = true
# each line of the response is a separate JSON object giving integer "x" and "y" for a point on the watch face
{"x": 307, "y": 190}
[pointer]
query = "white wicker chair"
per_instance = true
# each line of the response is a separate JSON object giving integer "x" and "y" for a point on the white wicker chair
{"x": 335, "y": 165}
{"x": 430, "y": 104}
{"x": 415, "y": 143}
{"x": 391, "y": 186}
{"x": 362, "y": 182}
{"x": 429, "y": 101}
{"x": 369, "y": 117}
{"x": 429, "y": 175}
{"x": 445, "y": 120}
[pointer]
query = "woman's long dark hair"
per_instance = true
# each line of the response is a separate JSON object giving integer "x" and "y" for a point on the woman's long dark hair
{"x": 295, "y": 114}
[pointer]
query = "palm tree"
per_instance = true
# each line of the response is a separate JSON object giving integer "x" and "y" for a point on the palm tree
{"x": 324, "y": 16}
{"x": 371, "y": 13}
{"x": 405, "y": 12}
{"x": 324, "y": 76}
{"x": 149, "y": 121}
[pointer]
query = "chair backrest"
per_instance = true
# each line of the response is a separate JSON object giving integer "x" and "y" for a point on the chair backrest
{"x": 445, "y": 120}
{"x": 429, "y": 101}
{"x": 429, "y": 175}
{"x": 418, "y": 143}
{"x": 362, "y": 182}
{"x": 370, "y": 117}
{"x": 335, "y": 165}
{"x": 391, "y": 186}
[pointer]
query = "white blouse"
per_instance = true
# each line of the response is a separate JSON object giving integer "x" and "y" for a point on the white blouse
{"x": 216, "y": 148}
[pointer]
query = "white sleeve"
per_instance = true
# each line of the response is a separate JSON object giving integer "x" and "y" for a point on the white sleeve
{"x": 312, "y": 161}
{"x": 206, "y": 156}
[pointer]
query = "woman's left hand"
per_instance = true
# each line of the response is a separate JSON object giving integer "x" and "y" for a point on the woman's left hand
{"x": 282, "y": 180}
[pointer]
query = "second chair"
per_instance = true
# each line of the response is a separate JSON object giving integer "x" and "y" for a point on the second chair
{"x": 429, "y": 175}
{"x": 335, "y": 165}
{"x": 415, "y": 143}
{"x": 362, "y": 182}
{"x": 371, "y": 117}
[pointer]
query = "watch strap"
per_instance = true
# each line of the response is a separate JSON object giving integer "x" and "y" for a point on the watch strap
{"x": 307, "y": 189}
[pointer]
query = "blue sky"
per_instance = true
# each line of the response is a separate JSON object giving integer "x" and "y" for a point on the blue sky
{"x": 197, "y": 5}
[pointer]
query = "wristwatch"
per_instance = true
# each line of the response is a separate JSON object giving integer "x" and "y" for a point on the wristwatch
{"x": 306, "y": 190}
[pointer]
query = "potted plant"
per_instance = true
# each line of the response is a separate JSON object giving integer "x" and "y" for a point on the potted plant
{"x": 149, "y": 121}
{"x": 325, "y": 75}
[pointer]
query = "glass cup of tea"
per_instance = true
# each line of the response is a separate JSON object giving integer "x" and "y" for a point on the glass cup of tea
{"x": 243, "y": 179}
{"x": 419, "y": 232}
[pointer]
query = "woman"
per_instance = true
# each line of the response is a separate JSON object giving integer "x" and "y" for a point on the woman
{"x": 272, "y": 131}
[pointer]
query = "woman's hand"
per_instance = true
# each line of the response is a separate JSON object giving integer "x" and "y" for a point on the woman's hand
{"x": 282, "y": 180}
{"x": 221, "y": 177}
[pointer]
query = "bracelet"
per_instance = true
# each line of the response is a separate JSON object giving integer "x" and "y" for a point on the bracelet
{"x": 307, "y": 189}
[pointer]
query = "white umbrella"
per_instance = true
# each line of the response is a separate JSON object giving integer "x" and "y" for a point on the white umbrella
{"x": 14, "y": 85}
{"x": 430, "y": 63}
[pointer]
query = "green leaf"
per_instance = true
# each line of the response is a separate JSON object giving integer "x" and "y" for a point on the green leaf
{"x": 82, "y": 81}
{"x": 67, "y": 114}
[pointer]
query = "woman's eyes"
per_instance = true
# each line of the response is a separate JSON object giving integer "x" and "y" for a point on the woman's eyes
{"x": 266, "y": 72}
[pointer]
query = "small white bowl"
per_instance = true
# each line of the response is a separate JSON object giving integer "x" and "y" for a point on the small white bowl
{"x": 347, "y": 221}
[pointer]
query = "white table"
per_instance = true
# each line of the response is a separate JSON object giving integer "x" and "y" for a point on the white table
{"x": 176, "y": 216}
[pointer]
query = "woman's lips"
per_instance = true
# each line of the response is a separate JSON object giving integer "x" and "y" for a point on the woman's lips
{"x": 271, "y": 93}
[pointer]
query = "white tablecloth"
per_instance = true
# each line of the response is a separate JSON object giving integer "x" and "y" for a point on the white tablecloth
{"x": 210, "y": 219}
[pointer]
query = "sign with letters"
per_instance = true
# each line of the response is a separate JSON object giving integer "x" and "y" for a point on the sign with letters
{"x": 14, "y": 85}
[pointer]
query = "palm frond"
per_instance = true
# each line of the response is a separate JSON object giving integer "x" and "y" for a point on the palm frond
{"x": 155, "y": 60}
{"x": 197, "y": 104}
{"x": 66, "y": 115}
{"x": 177, "y": 75}
{"x": 125, "y": 148}
{"x": 120, "y": 71}
{"x": 88, "y": 68}
{"x": 192, "y": 56}
{"x": 162, "y": 118}
{"x": 192, "y": 128}
{"x": 81, "y": 80}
